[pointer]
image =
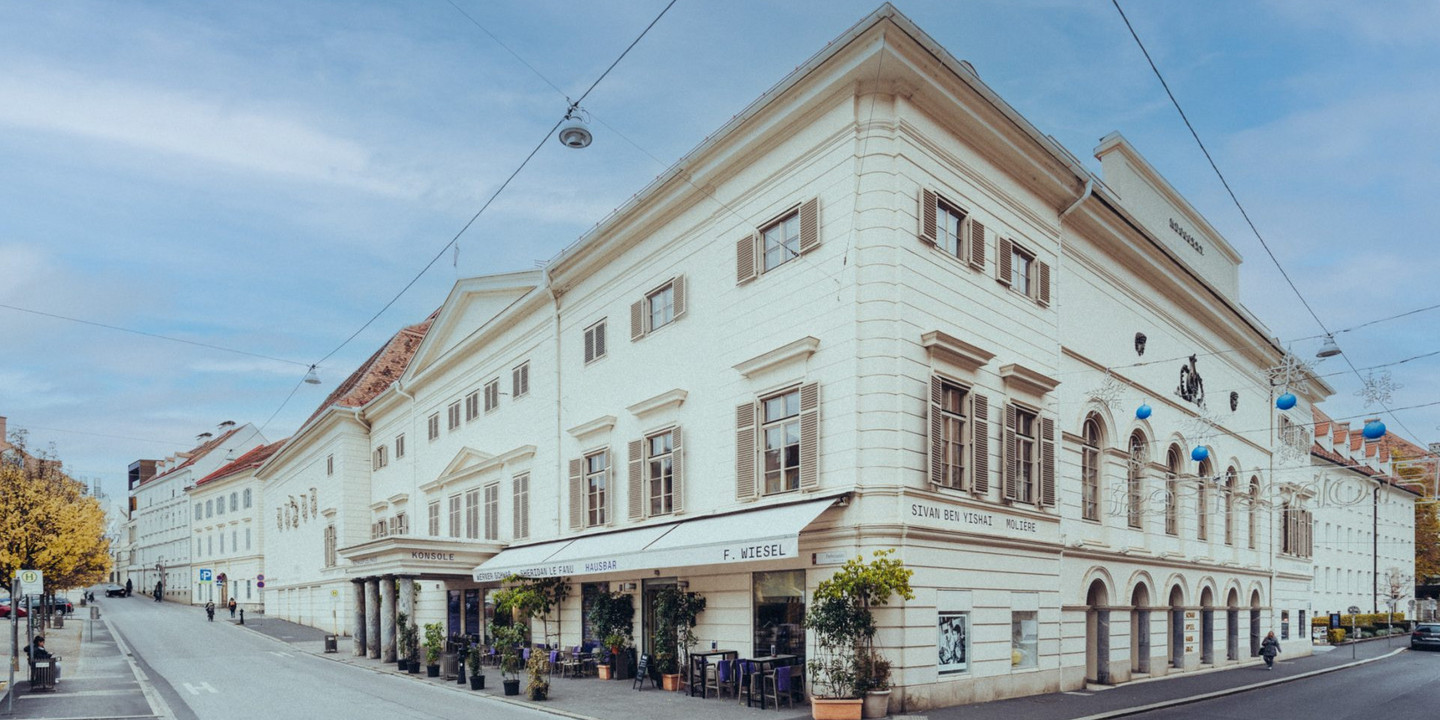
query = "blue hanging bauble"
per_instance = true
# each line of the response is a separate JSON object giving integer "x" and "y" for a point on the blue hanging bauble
{"x": 1143, "y": 411}
{"x": 1199, "y": 453}
{"x": 1286, "y": 401}
{"x": 1374, "y": 430}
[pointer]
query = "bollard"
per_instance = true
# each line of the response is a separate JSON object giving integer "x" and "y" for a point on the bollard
{"x": 242, "y": 616}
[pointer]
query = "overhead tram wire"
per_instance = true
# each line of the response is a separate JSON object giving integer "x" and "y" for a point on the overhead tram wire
{"x": 1238, "y": 205}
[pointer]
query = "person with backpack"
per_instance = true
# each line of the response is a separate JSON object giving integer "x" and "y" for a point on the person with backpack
{"x": 1269, "y": 648}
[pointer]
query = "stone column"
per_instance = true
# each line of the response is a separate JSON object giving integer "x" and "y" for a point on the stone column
{"x": 358, "y": 606}
{"x": 372, "y": 616}
{"x": 406, "y": 601}
{"x": 387, "y": 618}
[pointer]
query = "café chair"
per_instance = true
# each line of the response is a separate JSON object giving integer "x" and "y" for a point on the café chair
{"x": 776, "y": 684}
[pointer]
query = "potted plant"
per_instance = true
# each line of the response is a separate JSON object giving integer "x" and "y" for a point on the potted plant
{"x": 434, "y": 643}
{"x": 676, "y": 612}
{"x": 612, "y": 617}
{"x": 477, "y": 678}
{"x": 402, "y": 656}
{"x": 847, "y": 667}
{"x": 538, "y": 686}
{"x": 528, "y": 599}
{"x": 508, "y": 638}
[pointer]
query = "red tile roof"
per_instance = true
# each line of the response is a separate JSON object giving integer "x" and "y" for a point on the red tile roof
{"x": 252, "y": 459}
{"x": 378, "y": 372}
{"x": 197, "y": 452}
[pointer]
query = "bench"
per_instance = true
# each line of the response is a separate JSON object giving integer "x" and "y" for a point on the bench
{"x": 42, "y": 675}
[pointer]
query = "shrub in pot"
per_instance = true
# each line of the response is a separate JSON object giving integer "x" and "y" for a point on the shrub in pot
{"x": 477, "y": 678}
{"x": 434, "y": 643}
{"x": 676, "y": 613}
{"x": 538, "y": 687}
{"x": 846, "y": 665}
{"x": 409, "y": 643}
{"x": 612, "y": 619}
{"x": 508, "y": 639}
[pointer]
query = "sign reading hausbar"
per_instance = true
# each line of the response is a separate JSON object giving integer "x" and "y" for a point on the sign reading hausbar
{"x": 650, "y": 559}
{"x": 979, "y": 521}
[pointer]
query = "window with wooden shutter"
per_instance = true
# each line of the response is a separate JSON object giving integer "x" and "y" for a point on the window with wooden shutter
{"x": 937, "y": 429}
{"x": 637, "y": 319}
{"x": 595, "y": 341}
{"x": 745, "y": 450}
{"x": 929, "y": 203}
{"x": 1043, "y": 291}
{"x": 635, "y": 486}
{"x": 810, "y": 435}
{"x": 745, "y": 269}
{"x": 1011, "y": 483}
{"x": 680, "y": 301}
{"x": 659, "y": 472}
{"x": 977, "y": 245}
{"x": 677, "y": 472}
{"x": 577, "y": 494}
{"x": 949, "y": 436}
{"x": 980, "y": 444}
{"x": 520, "y": 523}
{"x": 1004, "y": 254}
{"x": 1047, "y": 462}
{"x": 809, "y": 225}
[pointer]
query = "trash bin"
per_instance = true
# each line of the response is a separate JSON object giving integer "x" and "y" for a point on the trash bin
{"x": 330, "y": 643}
{"x": 94, "y": 612}
{"x": 57, "y": 620}
{"x": 448, "y": 668}
{"x": 42, "y": 676}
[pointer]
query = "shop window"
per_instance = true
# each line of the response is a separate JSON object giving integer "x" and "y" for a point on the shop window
{"x": 588, "y": 593}
{"x": 952, "y": 642}
{"x": 1024, "y": 640}
{"x": 779, "y": 612}
{"x": 472, "y": 613}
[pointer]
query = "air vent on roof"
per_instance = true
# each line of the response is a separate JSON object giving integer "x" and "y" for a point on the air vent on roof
{"x": 227, "y": 424}
{"x": 202, "y": 437}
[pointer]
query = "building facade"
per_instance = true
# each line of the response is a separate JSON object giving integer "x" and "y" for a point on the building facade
{"x": 229, "y": 533}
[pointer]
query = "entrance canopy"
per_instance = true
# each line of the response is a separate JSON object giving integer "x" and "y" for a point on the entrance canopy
{"x": 771, "y": 533}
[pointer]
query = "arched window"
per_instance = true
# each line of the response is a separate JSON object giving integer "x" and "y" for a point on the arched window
{"x": 1172, "y": 491}
{"x": 1229, "y": 490}
{"x": 1134, "y": 478}
{"x": 1202, "y": 500}
{"x": 1254, "y": 510}
{"x": 1090, "y": 468}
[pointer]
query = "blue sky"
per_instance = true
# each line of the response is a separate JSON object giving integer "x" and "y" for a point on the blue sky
{"x": 265, "y": 175}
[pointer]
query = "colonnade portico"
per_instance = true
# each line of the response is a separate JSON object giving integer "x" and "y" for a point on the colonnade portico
{"x": 376, "y": 602}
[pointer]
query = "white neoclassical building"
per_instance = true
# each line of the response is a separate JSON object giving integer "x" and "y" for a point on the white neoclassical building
{"x": 877, "y": 309}
{"x": 228, "y": 532}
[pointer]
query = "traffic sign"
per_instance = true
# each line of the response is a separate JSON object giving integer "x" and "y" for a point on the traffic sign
{"x": 220, "y": 581}
{"x": 205, "y": 575}
{"x": 1353, "y": 609}
{"x": 260, "y": 577}
{"x": 31, "y": 581}
{"x": 259, "y": 583}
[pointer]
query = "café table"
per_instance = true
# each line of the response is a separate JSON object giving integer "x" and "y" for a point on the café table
{"x": 761, "y": 664}
{"x": 696, "y": 676}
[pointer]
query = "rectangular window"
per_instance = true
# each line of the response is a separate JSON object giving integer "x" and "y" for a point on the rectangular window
{"x": 247, "y": 538}
{"x": 952, "y": 638}
{"x": 472, "y": 513}
{"x": 400, "y": 446}
{"x": 234, "y": 539}
{"x": 452, "y": 416}
{"x": 455, "y": 516}
{"x": 209, "y": 508}
{"x": 222, "y": 542}
{"x": 597, "y": 467}
{"x": 595, "y": 342}
{"x": 1022, "y": 275}
{"x": 781, "y": 430}
{"x": 520, "y": 381}
{"x": 1024, "y": 640}
{"x": 660, "y": 307}
{"x": 329, "y": 546}
{"x": 660, "y": 472}
{"x": 220, "y": 505}
{"x": 1024, "y": 456}
{"x": 434, "y": 517}
{"x": 521, "y": 519}
{"x": 380, "y": 459}
{"x": 781, "y": 241}
{"x": 199, "y": 511}
{"x": 952, "y": 426}
{"x": 247, "y": 498}
{"x": 950, "y": 230}
{"x": 432, "y": 425}
{"x": 234, "y": 502}
{"x": 210, "y": 545}
{"x": 779, "y": 600}
{"x": 329, "y": 464}
{"x": 492, "y": 511}
{"x": 492, "y": 395}
{"x": 472, "y": 405}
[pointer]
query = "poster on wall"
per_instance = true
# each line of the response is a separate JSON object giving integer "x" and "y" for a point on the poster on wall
{"x": 951, "y": 640}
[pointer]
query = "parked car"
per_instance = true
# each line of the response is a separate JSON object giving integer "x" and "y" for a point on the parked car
{"x": 58, "y": 603}
{"x": 1426, "y": 635}
{"x": 5, "y": 609}
{"x": 113, "y": 590}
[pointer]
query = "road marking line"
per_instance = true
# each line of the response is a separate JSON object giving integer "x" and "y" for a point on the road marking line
{"x": 77, "y": 693}
{"x": 195, "y": 689}
{"x": 280, "y": 654}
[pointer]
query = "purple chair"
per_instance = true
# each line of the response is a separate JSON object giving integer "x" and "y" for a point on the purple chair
{"x": 552, "y": 661}
{"x": 723, "y": 679}
{"x": 778, "y": 683}
{"x": 525, "y": 655}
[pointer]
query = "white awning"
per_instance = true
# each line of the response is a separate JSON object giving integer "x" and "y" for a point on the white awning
{"x": 771, "y": 533}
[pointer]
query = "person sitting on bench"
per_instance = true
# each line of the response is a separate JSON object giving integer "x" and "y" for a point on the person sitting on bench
{"x": 37, "y": 651}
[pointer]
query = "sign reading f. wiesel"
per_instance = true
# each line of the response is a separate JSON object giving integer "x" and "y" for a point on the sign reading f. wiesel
{"x": 32, "y": 582}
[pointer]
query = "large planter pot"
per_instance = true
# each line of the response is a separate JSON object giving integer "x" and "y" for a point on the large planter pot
{"x": 540, "y": 693}
{"x": 413, "y": 667}
{"x": 670, "y": 682}
{"x": 835, "y": 709}
{"x": 432, "y": 671}
{"x": 402, "y": 664}
{"x": 877, "y": 704}
{"x": 512, "y": 687}
{"x": 477, "y": 682}
{"x": 605, "y": 672}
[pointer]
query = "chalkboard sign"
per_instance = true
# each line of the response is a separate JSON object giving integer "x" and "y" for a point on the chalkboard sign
{"x": 641, "y": 673}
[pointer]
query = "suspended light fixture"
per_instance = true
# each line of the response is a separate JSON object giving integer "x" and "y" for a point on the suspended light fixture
{"x": 574, "y": 132}
{"x": 1286, "y": 401}
{"x": 312, "y": 377}
{"x": 1329, "y": 349}
{"x": 1199, "y": 453}
{"x": 1143, "y": 412}
{"x": 1374, "y": 430}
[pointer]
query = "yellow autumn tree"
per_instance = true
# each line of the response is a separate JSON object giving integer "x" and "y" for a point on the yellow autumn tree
{"x": 1427, "y": 521}
{"x": 48, "y": 523}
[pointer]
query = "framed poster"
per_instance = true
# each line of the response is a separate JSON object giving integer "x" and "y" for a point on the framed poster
{"x": 952, "y": 642}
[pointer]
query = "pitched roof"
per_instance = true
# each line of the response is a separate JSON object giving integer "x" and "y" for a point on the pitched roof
{"x": 197, "y": 452}
{"x": 252, "y": 459}
{"x": 381, "y": 369}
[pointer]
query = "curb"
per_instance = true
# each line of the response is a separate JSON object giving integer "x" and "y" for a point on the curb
{"x": 1125, "y": 712}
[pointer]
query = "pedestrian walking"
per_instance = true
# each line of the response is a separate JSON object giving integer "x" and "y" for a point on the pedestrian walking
{"x": 232, "y": 607}
{"x": 210, "y": 611}
{"x": 159, "y": 591}
{"x": 129, "y": 586}
{"x": 1269, "y": 649}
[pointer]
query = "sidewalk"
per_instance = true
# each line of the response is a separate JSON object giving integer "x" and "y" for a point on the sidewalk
{"x": 96, "y": 680}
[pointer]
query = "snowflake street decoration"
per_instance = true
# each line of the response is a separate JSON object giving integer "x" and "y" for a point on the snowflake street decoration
{"x": 1108, "y": 393}
{"x": 1378, "y": 389}
{"x": 1291, "y": 371}
{"x": 1295, "y": 448}
{"x": 1202, "y": 428}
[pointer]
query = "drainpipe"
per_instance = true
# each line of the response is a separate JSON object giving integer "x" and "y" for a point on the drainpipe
{"x": 400, "y": 388}
{"x": 1060, "y": 342}
{"x": 559, "y": 462}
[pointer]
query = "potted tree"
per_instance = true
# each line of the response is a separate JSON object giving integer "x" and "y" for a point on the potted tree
{"x": 434, "y": 643}
{"x": 477, "y": 678}
{"x": 538, "y": 686}
{"x": 528, "y": 599}
{"x": 676, "y": 612}
{"x": 508, "y": 638}
{"x": 402, "y": 662}
{"x": 612, "y": 618}
{"x": 847, "y": 668}
{"x": 408, "y": 655}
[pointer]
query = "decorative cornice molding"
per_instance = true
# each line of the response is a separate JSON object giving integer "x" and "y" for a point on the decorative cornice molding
{"x": 601, "y": 424}
{"x": 1033, "y": 381}
{"x": 801, "y": 349}
{"x": 955, "y": 350}
{"x": 664, "y": 401}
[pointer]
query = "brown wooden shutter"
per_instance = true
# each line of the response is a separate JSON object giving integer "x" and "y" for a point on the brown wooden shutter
{"x": 937, "y": 431}
{"x": 637, "y": 320}
{"x": 1044, "y": 295}
{"x": 977, "y": 245}
{"x": 745, "y": 451}
{"x": 745, "y": 259}
{"x": 678, "y": 291}
{"x": 809, "y": 225}
{"x": 610, "y": 476}
{"x": 589, "y": 346}
{"x": 637, "y": 479}
{"x": 980, "y": 441}
{"x": 1003, "y": 251}
{"x": 809, "y": 435}
{"x": 1011, "y": 484}
{"x": 577, "y": 494}
{"x": 677, "y": 470}
{"x": 1047, "y": 462}
{"x": 928, "y": 211}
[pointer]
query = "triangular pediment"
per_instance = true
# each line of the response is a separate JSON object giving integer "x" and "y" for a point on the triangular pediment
{"x": 472, "y": 304}
{"x": 467, "y": 459}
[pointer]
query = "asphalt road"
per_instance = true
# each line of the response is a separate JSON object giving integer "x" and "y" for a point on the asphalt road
{"x": 218, "y": 671}
{"x": 1405, "y": 687}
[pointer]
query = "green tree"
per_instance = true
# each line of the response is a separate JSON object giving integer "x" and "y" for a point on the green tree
{"x": 840, "y": 615}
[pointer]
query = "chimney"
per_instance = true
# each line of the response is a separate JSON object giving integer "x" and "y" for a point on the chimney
{"x": 202, "y": 437}
{"x": 227, "y": 425}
